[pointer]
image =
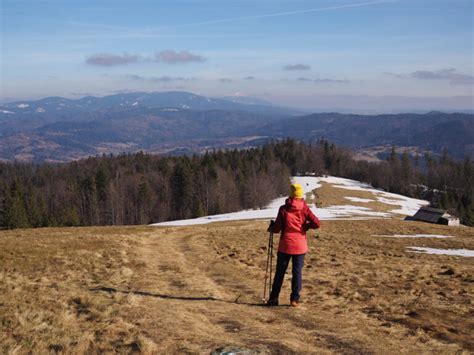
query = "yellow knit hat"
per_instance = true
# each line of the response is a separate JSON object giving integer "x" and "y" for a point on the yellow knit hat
{"x": 296, "y": 191}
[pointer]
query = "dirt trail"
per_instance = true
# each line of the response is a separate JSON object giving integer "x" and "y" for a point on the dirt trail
{"x": 213, "y": 301}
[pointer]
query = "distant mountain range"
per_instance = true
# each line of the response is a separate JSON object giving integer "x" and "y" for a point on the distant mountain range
{"x": 59, "y": 106}
{"x": 60, "y": 129}
{"x": 433, "y": 131}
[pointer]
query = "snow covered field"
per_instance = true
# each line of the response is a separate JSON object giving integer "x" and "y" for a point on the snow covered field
{"x": 406, "y": 205}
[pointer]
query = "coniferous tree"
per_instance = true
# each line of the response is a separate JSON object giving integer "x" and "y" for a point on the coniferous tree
{"x": 15, "y": 210}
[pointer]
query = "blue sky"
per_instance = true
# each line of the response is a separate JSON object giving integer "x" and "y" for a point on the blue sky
{"x": 289, "y": 51}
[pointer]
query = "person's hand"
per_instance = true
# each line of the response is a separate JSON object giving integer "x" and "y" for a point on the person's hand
{"x": 270, "y": 227}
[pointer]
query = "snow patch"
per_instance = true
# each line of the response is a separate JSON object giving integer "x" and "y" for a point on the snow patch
{"x": 345, "y": 211}
{"x": 308, "y": 183}
{"x": 346, "y": 183}
{"x": 169, "y": 110}
{"x": 135, "y": 103}
{"x": 454, "y": 252}
{"x": 388, "y": 201}
{"x": 22, "y": 105}
{"x": 7, "y": 112}
{"x": 185, "y": 106}
{"x": 436, "y": 236}
{"x": 40, "y": 110}
{"x": 358, "y": 199}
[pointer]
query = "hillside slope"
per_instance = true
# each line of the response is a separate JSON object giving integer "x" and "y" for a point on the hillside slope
{"x": 199, "y": 288}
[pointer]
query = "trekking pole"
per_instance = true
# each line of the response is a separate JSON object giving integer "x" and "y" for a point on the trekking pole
{"x": 271, "y": 265}
{"x": 266, "y": 271}
{"x": 268, "y": 268}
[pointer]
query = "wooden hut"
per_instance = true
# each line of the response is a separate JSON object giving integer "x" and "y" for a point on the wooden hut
{"x": 434, "y": 215}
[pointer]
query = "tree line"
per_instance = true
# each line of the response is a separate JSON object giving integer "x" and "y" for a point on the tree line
{"x": 137, "y": 188}
{"x": 142, "y": 188}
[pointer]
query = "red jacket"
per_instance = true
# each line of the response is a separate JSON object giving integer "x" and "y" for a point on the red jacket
{"x": 293, "y": 220}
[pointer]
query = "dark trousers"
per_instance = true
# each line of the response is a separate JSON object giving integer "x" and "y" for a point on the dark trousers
{"x": 283, "y": 260}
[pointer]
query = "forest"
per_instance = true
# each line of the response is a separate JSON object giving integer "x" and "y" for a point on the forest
{"x": 141, "y": 188}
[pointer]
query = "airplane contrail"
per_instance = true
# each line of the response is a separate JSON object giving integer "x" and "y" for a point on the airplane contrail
{"x": 232, "y": 19}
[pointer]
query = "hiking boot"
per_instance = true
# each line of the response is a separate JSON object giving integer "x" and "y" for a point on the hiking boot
{"x": 272, "y": 302}
{"x": 294, "y": 303}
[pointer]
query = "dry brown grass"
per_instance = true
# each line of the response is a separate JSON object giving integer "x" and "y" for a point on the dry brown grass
{"x": 193, "y": 289}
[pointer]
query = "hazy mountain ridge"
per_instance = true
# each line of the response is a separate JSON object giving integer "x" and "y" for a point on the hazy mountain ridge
{"x": 54, "y": 106}
{"x": 59, "y": 129}
{"x": 155, "y": 130}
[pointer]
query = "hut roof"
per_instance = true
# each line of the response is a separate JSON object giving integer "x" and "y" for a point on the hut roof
{"x": 429, "y": 214}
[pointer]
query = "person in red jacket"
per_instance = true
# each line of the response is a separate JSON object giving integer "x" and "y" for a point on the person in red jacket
{"x": 293, "y": 220}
